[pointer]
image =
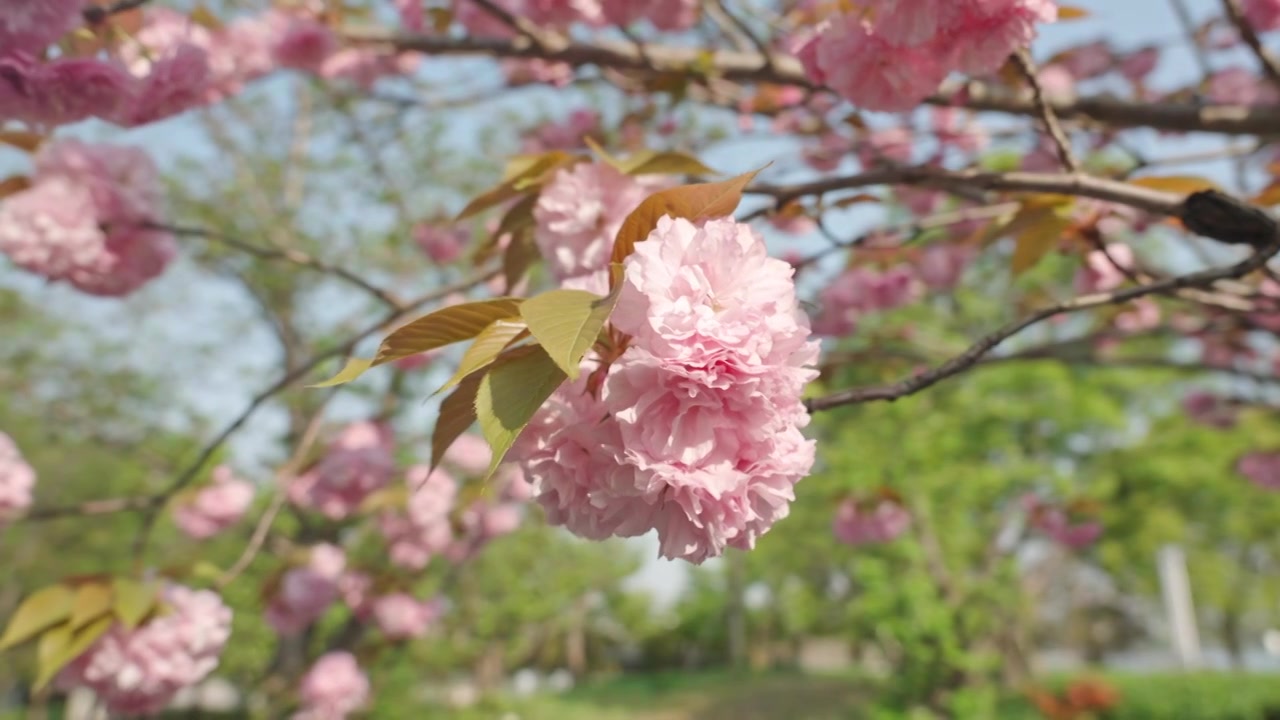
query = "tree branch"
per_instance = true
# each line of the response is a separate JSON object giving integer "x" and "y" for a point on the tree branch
{"x": 1270, "y": 66}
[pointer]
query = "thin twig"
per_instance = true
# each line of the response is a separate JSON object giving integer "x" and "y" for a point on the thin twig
{"x": 1022, "y": 59}
{"x": 94, "y": 14}
{"x": 1270, "y": 65}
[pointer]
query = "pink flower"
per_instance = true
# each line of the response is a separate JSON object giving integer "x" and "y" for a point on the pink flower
{"x": 356, "y": 590}
{"x": 135, "y": 672}
{"x": 872, "y": 523}
{"x": 892, "y": 144}
{"x": 1240, "y": 86}
{"x": 1263, "y": 14}
{"x": 424, "y": 528}
{"x": 942, "y": 265}
{"x": 359, "y": 462}
{"x": 548, "y": 13}
{"x": 1142, "y": 314}
{"x": 412, "y": 15}
{"x": 569, "y": 134}
{"x": 955, "y": 130}
{"x": 401, "y": 616}
{"x": 306, "y": 592}
{"x": 1102, "y": 271}
{"x": 301, "y": 43}
{"x": 17, "y": 480}
{"x": 1136, "y": 66}
{"x": 215, "y": 507}
{"x": 1209, "y": 409}
{"x": 1261, "y": 468}
{"x": 82, "y": 221}
{"x": 469, "y": 454}
{"x": 1055, "y": 522}
{"x": 177, "y": 82}
{"x": 863, "y": 66}
{"x": 861, "y": 291}
{"x": 579, "y": 213}
{"x": 363, "y": 67}
{"x": 333, "y": 688}
{"x": 668, "y": 15}
{"x": 441, "y": 244}
{"x": 32, "y": 25}
{"x": 825, "y": 155}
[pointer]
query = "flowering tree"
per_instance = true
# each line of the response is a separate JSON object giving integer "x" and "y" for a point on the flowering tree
{"x": 608, "y": 313}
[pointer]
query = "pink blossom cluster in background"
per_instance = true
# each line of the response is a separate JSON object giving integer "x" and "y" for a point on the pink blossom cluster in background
{"x": 579, "y": 213}
{"x": 17, "y": 480}
{"x": 440, "y": 243}
{"x": 170, "y": 64}
{"x": 696, "y": 430}
{"x": 1261, "y": 468}
{"x": 1056, "y": 523}
{"x": 304, "y": 593}
{"x": 1104, "y": 271}
{"x": 423, "y": 528}
{"x": 334, "y": 688}
{"x": 85, "y": 219}
{"x": 890, "y": 55}
{"x": 1264, "y": 15}
{"x": 215, "y": 507}
{"x": 862, "y": 291}
{"x": 401, "y": 616}
{"x": 869, "y": 523}
{"x": 561, "y": 14}
{"x": 359, "y": 462}
{"x": 139, "y": 671}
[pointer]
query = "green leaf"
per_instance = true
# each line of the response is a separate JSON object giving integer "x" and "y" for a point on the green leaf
{"x": 520, "y": 255}
{"x": 566, "y": 323}
{"x": 486, "y": 348}
{"x": 354, "y": 368}
{"x": 1036, "y": 230}
{"x": 457, "y": 413}
{"x": 42, "y": 609}
{"x": 134, "y": 600}
{"x": 518, "y": 222}
{"x": 649, "y": 162}
{"x": 62, "y": 644}
{"x": 691, "y": 202}
{"x": 509, "y": 395}
{"x": 92, "y": 601}
{"x": 442, "y": 327}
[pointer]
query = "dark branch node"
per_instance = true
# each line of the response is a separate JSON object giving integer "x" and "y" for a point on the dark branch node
{"x": 1226, "y": 219}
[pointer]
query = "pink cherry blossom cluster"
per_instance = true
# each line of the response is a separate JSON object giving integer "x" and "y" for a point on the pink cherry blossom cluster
{"x": 862, "y": 290}
{"x": 695, "y": 432}
{"x": 873, "y": 522}
{"x": 305, "y": 592}
{"x": 87, "y": 219}
{"x": 334, "y": 688}
{"x": 1263, "y": 14}
{"x": 359, "y": 462}
{"x": 1056, "y": 522}
{"x": 139, "y": 671}
{"x": 215, "y": 507}
{"x": 890, "y": 55}
{"x": 17, "y": 480}
{"x": 579, "y": 213}
{"x": 169, "y": 65}
{"x": 440, "y": 243}
{"x": 567, "y": 134}
{"x": 561, "y": 14}
{"x": 432, "y": 523}
{"x": 401, "y": 616}
{"x": 1209, "y": 409}
{"x": 1261, "y": 469}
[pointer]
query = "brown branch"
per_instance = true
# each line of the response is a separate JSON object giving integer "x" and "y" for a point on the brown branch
{"x": 979, "y": 350}
{"x": 750, "y": 67}
{"x": 1270, "y": 65}
{"x": 1026, "y": 66}
{"x": 94, "y": 14}
{"x": 297, "y": 257}
{"x": 1153, "y": 201}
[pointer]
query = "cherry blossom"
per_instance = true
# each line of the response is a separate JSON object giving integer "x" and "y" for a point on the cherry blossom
{"x": 333, "y": 689}
{"x": 304, "y": 593}
{"x": 401, "y": 616}
{"x": 216, "y": 507}
{"x": 358, "y": 463}
{"x": 869, "y": 523}
{"x": 1261, "y": 468}
{"x": 17, "y": 480}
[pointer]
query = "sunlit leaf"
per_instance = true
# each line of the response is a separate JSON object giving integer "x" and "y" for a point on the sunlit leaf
{"x": 1036, "y": 231}
{"x": 651, "y": 162}
{"x": 22, "y": 139}
{"x": 523, "y": 173}
{"x": 354, "y": 368}
{"x": 134, "y": 600}
{"x": 42, "y": 609}
{"x": 457, "y": 413}
{"x": 92, "y": 601}
{"x": 201, "y": 15}
{"x": 692, "y": 202}
{"x": 486, "y": 348}
{"x": 510, "y": 393}
{"x": 13, "y": 184}
{"x": 521, "y": 254}
{"x": 1181, "y": 184}
{"x": 566, "y": 323}
{"x": 1270, "y": 195}
{"x": 62, "y": 644}
{"x": 1071, "y": 12}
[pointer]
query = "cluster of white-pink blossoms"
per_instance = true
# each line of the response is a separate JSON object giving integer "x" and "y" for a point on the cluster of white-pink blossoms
{"x": 870, "y": 521}
{"x": 88, "y": 219}
{"x": 695, "y": 431}
{"x": 139, "y": 671}
{"x": 17, "y": 480}
{"x": 359, "y": 462}
{"x": 891, "y": 54}
{"x": 214, "y": 507}
{"x": 334, "y": 688}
